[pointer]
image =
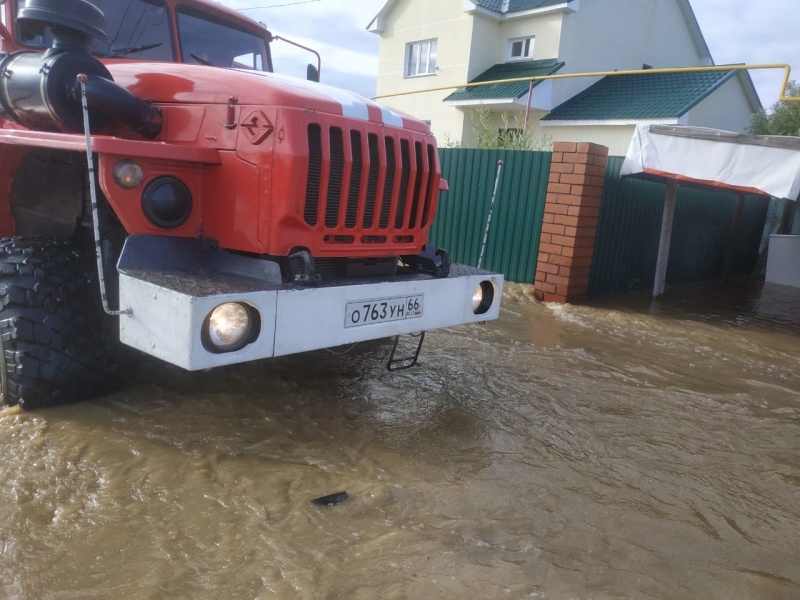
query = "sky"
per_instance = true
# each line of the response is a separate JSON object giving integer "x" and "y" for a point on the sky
{"x": 736, "y": 31}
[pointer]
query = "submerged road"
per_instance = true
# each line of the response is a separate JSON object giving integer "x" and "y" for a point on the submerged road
{"x": 618, "y": 450}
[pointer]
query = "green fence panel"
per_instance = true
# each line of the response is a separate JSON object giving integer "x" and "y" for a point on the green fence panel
{"x": 513, "y": 243}
{"x": 630, "y": 228}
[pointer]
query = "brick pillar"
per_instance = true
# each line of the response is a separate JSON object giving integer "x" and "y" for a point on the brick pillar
{"x": 571, "y": 214}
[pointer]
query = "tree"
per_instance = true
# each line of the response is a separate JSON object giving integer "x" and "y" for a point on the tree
{"x": 782, "y": 119}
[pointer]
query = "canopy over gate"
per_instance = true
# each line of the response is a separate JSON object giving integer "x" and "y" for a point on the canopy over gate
{"x": 767, "y": 165}
{"x": 757, "y": 164}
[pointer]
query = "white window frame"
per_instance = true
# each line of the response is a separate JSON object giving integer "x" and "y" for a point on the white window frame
{"x": 423, "y": 62}
{"x": 527, "y": 43}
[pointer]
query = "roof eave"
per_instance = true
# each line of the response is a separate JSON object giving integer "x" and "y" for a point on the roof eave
{"x": 568, "y": 6}
{"x": 471, "y": 8}
{"x": 696, "y": 32}
{"x": 378, "y": 23}
{"x": 480, "y": 102}
{"x": 609, "y": 122}
{"x": 710, "y": 90}
{"x": 750, "y": 91}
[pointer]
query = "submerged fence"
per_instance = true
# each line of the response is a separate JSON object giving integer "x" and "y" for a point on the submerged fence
{"x": 628, "y": 232}
{"x": 513, "y": 241}
{"x": 629, "y": 229}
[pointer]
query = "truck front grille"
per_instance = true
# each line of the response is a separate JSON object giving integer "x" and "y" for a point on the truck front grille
{"x": 357, "y": 201}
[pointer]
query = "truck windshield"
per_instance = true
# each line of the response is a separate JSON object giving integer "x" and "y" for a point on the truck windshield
{"x": 142, "y": 30}
{"x": 137, "y": 29}
{"x": 206, "y": 41}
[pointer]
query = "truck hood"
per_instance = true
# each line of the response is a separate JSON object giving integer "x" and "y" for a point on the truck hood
{"x": 167, "y": 83}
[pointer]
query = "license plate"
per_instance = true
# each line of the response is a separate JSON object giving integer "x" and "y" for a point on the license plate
{"x": 368, "y": 312}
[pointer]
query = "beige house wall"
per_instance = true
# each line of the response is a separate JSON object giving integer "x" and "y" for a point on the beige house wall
{"x": 616, "y": 138}
{"x": 727, "y": 109}
{"x": 602, "y": 35}
{"x": 485, "y": 33}
{"x": 621, "y": 35}
{"x": 410, "y": 21}
{"x": 546, "y": 28}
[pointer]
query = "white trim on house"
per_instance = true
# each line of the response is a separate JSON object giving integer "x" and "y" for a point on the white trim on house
{"x": 611, "y": 122}
{"x": 480, "y": 102}
{"x": 542, "y": 99}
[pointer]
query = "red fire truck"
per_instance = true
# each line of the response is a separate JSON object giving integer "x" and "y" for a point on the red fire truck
{"x": 161, "y": 187}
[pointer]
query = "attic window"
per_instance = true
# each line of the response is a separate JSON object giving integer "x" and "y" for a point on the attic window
{"x": 421, "y": 58}
{"x": 520, "y": 48}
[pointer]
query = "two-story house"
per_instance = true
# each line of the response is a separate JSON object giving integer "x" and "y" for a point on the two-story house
{"x": 440, "y": 45}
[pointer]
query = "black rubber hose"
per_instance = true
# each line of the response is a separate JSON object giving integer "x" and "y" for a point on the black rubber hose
{"x": 116, "y": 103}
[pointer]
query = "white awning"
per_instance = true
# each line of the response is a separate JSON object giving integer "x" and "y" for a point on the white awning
{"x": 767, "y": 165}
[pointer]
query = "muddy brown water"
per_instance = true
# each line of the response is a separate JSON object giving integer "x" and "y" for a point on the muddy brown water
{"x": 619, "y": 450}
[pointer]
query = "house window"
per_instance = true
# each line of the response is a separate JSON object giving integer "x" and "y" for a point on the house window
{"x": 520, "y": 48}
{"x": 421, "y": 58}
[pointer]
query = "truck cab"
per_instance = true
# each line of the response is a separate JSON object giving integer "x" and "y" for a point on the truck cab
{"x": 233, "y": 213}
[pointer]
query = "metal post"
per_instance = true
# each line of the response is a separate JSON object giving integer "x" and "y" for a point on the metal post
{"x": 82, "y": 79}
{"x": 528, "y": 106}
{"x": 737, "y": 217}
{"x": 491, "y": 209}
{"x": 666, "y": 238}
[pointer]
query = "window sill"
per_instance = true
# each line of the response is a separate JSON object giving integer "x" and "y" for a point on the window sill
{"x": 420, "y": 75}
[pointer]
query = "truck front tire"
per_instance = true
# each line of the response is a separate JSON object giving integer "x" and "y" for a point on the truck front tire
{"x": 55, "y": 345}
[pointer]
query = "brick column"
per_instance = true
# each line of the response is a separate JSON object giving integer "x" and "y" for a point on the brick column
{"x": 571, "y": 213}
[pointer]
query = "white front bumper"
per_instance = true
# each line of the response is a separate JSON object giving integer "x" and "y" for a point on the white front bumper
{"x": 169, "y": 306}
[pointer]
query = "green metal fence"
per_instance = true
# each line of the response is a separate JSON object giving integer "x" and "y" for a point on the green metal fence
{"x": 630, "y": 226}
{"x": 516, "y": 226}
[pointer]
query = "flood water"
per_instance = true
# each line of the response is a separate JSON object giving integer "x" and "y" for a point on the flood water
{"x": 618, "y": 450}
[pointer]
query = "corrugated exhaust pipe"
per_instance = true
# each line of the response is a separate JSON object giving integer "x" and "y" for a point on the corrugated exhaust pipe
{"x": 41, "y": 91}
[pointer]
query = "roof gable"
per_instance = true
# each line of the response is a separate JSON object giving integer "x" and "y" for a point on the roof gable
{"x": 644, "y": 96}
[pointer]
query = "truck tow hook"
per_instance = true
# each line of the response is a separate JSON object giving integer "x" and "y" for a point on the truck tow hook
{"x": 302, "y": 269}
{"x": 436, "y": 264}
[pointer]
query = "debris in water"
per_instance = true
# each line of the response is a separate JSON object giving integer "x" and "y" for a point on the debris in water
{"x": 330, "y": 499}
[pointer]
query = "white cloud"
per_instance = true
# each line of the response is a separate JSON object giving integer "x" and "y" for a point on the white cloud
{"x": 334, "y": 28}
{"x": 753, "y": 32}
{"x": 737, "y": 31}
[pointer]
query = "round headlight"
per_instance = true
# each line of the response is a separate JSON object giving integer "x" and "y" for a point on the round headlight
{"x": 128, "y": 174}
{"x": 229, "y": 327}
{"x": 167, "y": 202}
{"x": 483, "y": 298}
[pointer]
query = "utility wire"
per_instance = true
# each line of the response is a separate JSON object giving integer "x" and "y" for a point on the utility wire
{"x": 277, "y": 5}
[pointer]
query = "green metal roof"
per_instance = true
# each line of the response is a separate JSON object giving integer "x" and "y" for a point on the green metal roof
{"x": 510, "y": 70}
{"x": 517, "y": 5}
{"x": 645, "y": 96}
